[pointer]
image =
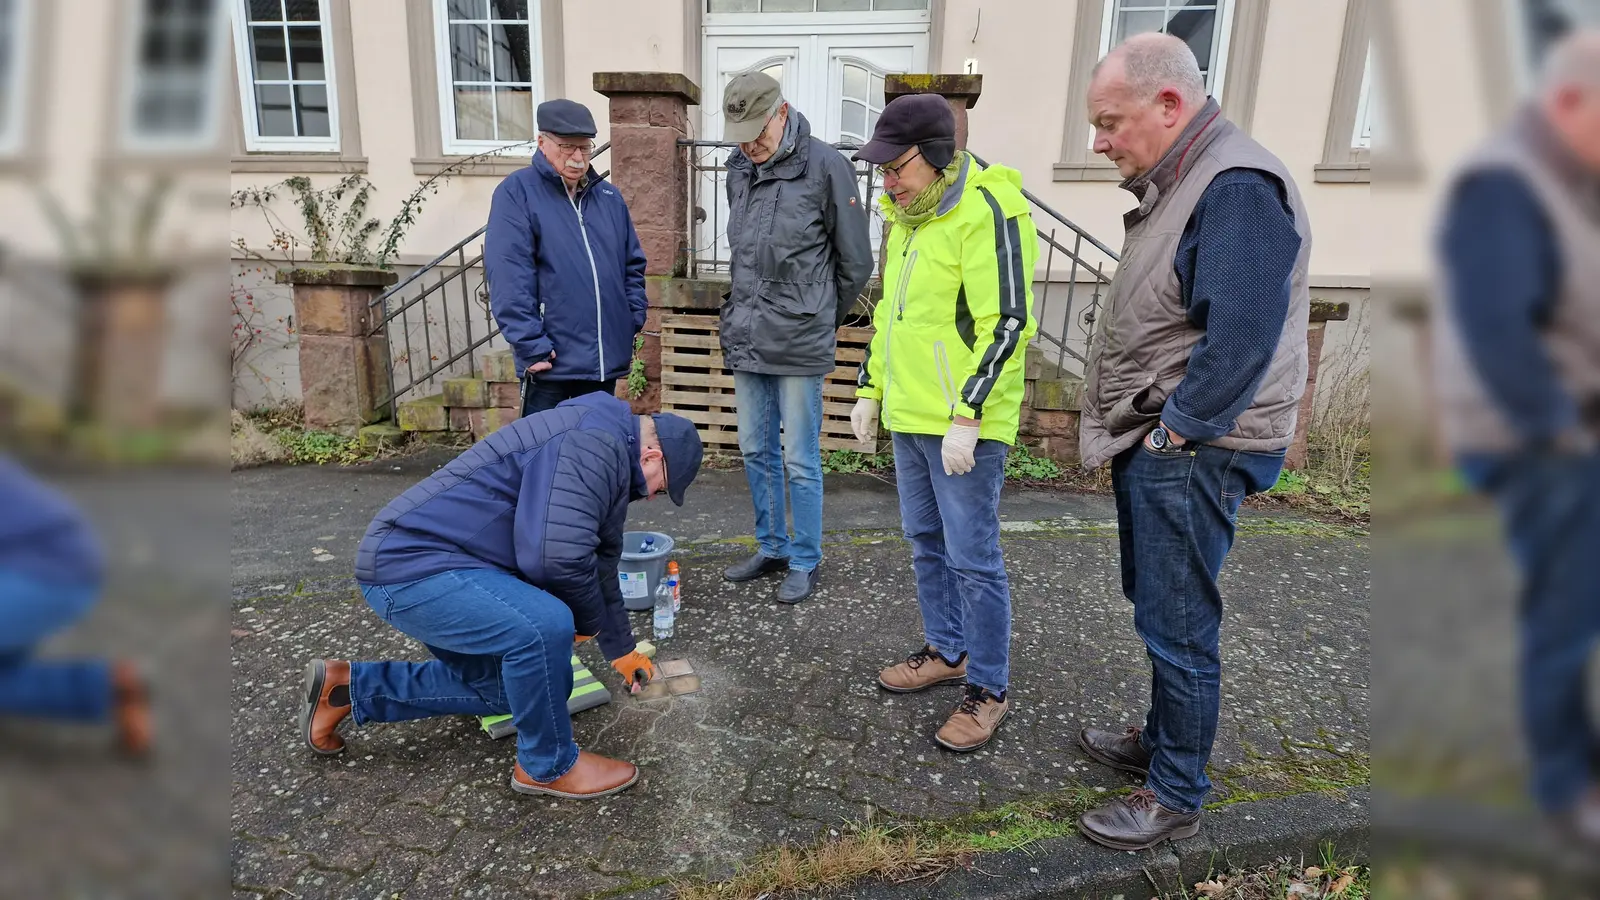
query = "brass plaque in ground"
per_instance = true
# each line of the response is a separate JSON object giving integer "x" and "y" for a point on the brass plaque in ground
{"x": 672, "y": 668}
{"x": 674, "y": 678}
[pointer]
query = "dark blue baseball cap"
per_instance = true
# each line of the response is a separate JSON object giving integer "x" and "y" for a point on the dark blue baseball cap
{"x": 680, "y": 444}
{"x": 565, "y": 118}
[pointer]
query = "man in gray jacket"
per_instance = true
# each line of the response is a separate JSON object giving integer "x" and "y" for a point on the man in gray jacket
{"x": 800, "y": 257}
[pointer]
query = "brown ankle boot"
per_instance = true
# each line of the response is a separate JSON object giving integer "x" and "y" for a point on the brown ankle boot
{"x": 592, "y": 776}
{"x": 130, "y": 709}
{"x": 325, "y": 704}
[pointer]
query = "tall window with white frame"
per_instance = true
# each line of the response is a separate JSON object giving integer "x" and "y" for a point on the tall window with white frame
{"x": 1202, "y": 24}
{"x": 490, "y": 72}
{"x": 171, "y": 99}
{"x": 861, "y": 101}
{"x": 286, "y": 77}
{"x": 13, "y": 25}
{"x": 1367, "y": 111}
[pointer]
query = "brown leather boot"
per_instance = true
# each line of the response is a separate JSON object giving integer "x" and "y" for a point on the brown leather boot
{"x": 130, "y": 709}
{"x": 974, "y": 721}
{"x": 1137, "y": 822}
{"x": 922, "y": 670}
{"x": 1119, "y": 751}
{"x": 592, "y": 776}
{"x": 325, "y": 704}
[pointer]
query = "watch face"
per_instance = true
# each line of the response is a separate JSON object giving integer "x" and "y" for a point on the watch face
{"x": 1158, "y": 438}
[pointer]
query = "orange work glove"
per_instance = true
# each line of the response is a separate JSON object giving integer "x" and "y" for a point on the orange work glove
{"x": 636, "y": 669}
{"x": 583, "y": 637}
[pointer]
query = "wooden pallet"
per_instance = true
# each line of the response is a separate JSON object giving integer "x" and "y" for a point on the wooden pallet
{"x": 695, "y": 384}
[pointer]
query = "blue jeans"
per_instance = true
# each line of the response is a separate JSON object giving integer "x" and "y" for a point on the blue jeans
{"x": 1176, "y": 514}
{"x": 501, "y": 646}
{"x": 953, "y": 524}
{"x": 795, "y": 403}
{"x": 1551, "y": 508}
{"x": 30, "y": 611}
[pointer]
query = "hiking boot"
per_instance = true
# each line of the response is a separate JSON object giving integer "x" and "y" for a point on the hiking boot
{"x": 755, "y": 567}
{"x": 797, "y": 586}
{"x": 974, "y": 721}
{"x": 130, "y": 709}
{"x": 591, "y": 776}
{"x": 1119, "y": 751}
{"x": 1137, "y": 822}
{"x": 922, "y": 670}
{"x": 325, "y": 704}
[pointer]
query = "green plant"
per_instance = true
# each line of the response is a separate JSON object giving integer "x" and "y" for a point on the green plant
{"x": 118, "y": 234}
{"x": 637, "y": 382}
{"x": 850, "y": 462}
{"x": 1290, "y": 482}
{"x": 319, "y": 447}
{"x": 1022, "y": 465}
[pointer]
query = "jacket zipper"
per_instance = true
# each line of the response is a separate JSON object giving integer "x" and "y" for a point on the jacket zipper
{"x": 900, "y": 313}
{"x": 599, "y": 315}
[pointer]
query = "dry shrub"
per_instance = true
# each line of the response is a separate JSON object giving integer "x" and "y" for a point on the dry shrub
{"x": 250, "y": 446}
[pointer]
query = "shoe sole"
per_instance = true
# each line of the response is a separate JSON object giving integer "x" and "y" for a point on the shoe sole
{"x": 953, "y": 748}
{"x": 535, "y": 791}
{"x": 1104, "y": 760}
{"x": 1181, "y": 834}
{"x": 954, "y": 679}
{"x": 316, "y": 674}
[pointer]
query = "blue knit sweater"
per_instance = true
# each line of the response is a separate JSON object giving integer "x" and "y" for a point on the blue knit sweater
{"x": 1234, "y": 264}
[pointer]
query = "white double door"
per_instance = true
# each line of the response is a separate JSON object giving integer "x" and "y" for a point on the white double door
{"x": 834, "y": 77}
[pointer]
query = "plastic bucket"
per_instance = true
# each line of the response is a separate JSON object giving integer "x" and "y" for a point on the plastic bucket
{"x": 639, "y": 573}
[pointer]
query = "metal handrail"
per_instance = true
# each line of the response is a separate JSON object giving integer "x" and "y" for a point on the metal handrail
{"x": 1045, "y": 207}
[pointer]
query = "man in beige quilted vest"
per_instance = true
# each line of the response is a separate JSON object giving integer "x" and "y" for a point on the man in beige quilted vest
{"x": 1517, "y": 366}
{"x": 1194, "y": 379}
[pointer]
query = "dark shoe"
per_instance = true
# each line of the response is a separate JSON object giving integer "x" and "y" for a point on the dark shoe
{"x": 974, "y": 721}
{"x": 1119, "y": 751}
{"x": 130, "y": 699}
{"x": 1137, "y": 822}
{"x": 797, "y": 586}
{"x": 325, "y": 705}
{"x": 755, "y": 567}
{"x": 591, "y": 776}
{"x": 922, "y": 670}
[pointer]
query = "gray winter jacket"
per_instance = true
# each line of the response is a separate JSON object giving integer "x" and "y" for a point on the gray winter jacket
{"x": 801, "y": 256}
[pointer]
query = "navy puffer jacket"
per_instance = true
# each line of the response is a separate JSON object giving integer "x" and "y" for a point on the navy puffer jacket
{"x": 544, "y": 498}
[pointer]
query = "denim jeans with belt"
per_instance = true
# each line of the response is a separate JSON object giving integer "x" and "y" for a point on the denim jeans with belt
{"x": 1551, "y": 508}
{"x": 500, "y": 646}
{"x": 31, "y": 610}
{"x": 953, "y": 524}
{"x": 793, "y": 402}
{"x": 1176, "y": 515}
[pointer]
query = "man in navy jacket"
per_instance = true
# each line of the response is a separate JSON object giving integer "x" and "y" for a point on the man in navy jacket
{"x": 497, "y": 563}
{"x": 564, "y": 265}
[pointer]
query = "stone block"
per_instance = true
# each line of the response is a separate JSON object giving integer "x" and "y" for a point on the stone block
{"x": 626, "y": 85}
{"x": 648, "y": 168}
{"x": 505, "y": 393}
{"x": 1056, "y": 393}
{"x": 425, "y": 414}
{"x": 1051, "y": 423}
{"x": 340, "y": 380}
{"x": 380, "y": 436}
{"x": 469, "y": 393}
{"x": 500, "y": 365}
{"x": 494, "y": 419}
{"x": 1063, "y": 449}
{"x": 469, "y": 421}
{"x": 333, "y": 309}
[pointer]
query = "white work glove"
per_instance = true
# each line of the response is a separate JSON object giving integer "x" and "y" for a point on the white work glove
{"x": 959, "y": 443}
{"x": 863, "y": 419}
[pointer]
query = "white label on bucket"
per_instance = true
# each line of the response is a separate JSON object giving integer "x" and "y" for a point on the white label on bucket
{"x": 634, "y": 584}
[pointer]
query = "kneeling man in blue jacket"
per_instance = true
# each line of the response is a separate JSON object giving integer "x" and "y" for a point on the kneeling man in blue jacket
{"x": 497, "y": 563}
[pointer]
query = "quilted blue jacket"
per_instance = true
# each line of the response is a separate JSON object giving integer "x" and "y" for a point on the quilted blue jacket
{"x": 544, "y": 498}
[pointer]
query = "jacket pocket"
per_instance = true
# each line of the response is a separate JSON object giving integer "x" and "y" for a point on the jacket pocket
{"x": 1142, "y": 407}
{"x": 798, "y": 301}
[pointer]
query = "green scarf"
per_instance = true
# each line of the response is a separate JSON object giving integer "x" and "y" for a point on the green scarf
{"x": 926, "y": 203}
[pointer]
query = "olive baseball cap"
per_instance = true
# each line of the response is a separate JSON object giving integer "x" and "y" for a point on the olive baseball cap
{"x": 748, "y": 102}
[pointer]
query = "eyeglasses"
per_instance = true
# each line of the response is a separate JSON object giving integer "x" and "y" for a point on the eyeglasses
{"x": 586, "y": 148}
{"x": 888, "y": 170}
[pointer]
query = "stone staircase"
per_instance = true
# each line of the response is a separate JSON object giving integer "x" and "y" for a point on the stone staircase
{"x": 465, "y": 407}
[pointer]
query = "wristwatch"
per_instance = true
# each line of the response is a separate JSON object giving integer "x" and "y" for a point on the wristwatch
{"x": 1159, "y": 439}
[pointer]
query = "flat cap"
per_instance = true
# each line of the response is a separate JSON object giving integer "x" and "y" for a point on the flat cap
{"x": 566, "y": 118}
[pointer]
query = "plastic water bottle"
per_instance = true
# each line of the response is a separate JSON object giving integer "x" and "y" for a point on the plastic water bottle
{"x": 649, "y": 545}
{"x": 664, "y": 614}
{"x": 677, "y": 587}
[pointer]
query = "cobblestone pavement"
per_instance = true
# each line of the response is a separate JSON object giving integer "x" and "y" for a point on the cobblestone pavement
{"x": 789, "y": 738}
